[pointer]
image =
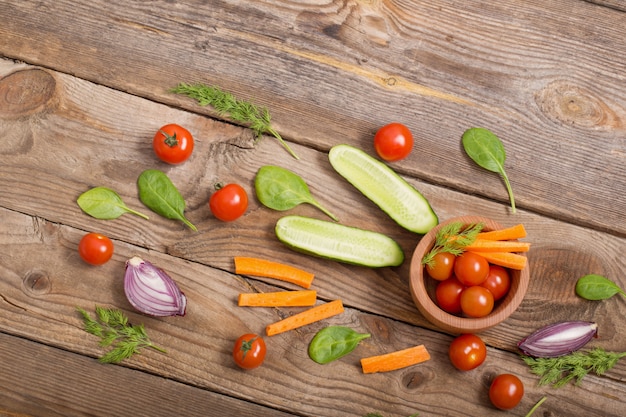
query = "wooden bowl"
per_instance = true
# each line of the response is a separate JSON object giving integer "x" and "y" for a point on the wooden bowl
{"x": 423, "y": 288}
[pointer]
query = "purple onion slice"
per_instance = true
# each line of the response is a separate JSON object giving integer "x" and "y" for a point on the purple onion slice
{"x": 558, "y": 339}
{"x": 151, "y": 291}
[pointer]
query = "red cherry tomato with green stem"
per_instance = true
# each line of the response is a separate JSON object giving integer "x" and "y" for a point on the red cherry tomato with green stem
{"x": 471, "y": 269}
{"x": 173, "y": 144}
{"x": 476, "y": 301}
{"x": 467, "y": 352}
{"x": 506, "y": 391}
{"x": 448, "y": 295}
{"x": 95, "y": 248}
{"x": 249, "y": 351}
{"x": 393, "y": 142}
{"x": 442, "y": 266}
{"x": 228, "y": 202}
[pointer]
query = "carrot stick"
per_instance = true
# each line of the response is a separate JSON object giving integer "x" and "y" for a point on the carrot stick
{"x": 505, "y": 259}
{"x": 320, "y": 312}
{"x": 395, "y": 360}
{"x": 483, "y": 245}
{"x": 514, "y": 232}
{"x": 278, "y": 299}
{"x": 263, "y": 268}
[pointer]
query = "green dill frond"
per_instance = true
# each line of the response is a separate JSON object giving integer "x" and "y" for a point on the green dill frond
{"x": 574, "y": 367}
{"x": 452, "y": 238}
{"x": 225, "y": 104}
{"x": 114, "y": 330}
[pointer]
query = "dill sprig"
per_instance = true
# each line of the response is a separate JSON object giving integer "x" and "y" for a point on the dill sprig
{"x": 536, "y": 406}
{"x": 257, "y": 118}
{"x": 452, "y": 238}
{"x": 572, "y": 367}
{"x": 113, "y": 328}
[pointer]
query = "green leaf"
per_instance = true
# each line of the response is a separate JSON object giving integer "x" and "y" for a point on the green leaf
{"x": 160, "y": 195}
{"x": 597, "y": 287}
{"x": 104, "y": 203}
{"x": 486, "y": 149}
{"x": 280, "y": 189}
{"x": 333, "y": 342}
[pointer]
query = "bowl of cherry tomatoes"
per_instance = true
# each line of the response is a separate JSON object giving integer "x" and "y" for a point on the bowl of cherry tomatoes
{"x": 471, "y": 291}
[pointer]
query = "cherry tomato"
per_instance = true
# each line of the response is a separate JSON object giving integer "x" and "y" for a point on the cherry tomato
{"x": 229, "y": 202}
{"x": 506, "y": 391}
{"x": 95, "y": 249}
{"x": 448, "y": 295}
{"x": 471, "y": 269}
{"x": 442, "y": 266}
{"x": 393, "y": 142}
{"x": 498, "y": 281}
{"x": 476, "y": 301}
{"x": 249, "y": 351}
{"x": 467, "y": 352}
{"x": 173, "y": 144}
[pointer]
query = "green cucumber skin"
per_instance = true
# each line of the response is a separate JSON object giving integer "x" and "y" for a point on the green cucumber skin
{"x": 338, "y": 242}
{"x": 383, "y": 186}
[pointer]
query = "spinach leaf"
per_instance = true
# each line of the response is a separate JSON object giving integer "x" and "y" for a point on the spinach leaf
{"x": 333, "y": 342}
{"x": 597, "y": 287}
{"x": 104, "y": 203}
{"x": 280, "y": 189}
{"x": 160, "y": 195}
{"x": 486, "y": 149}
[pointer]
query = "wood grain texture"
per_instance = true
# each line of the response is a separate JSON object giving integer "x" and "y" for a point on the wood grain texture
{"x": 38, "y": 304}
{"x": 119, "y": 153}
{"x": 39, "y": 380}
{"x": 80, "y": 102}
{"x": 540, "y": 78}
{"x": 613, "y": 4}
{"x": 39, "y": 292}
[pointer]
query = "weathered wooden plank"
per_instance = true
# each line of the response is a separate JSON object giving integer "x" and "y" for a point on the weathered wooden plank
{"x": 60, "y": 136}
{"x": 613, "y": 4}
{"x": 549, "y": 84}
{"x": 38, "y": 380}
{"x": 42, "y": 279}
{"x": 72, "y": 133}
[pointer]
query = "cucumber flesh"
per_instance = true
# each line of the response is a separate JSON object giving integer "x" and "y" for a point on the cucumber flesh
{"x": 338, "y": 242}
{"x": 383, "y": 186}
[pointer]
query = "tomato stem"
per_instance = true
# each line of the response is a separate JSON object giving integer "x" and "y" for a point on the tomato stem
{"x": 170, "y": 140}
{"x": 246, "y": 346}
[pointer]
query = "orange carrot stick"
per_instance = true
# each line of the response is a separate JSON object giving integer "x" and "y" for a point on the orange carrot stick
{"x": 484, "y": 245}
{"x": 514, "y": 232}
{"x": 395, "y": 360}
{"x": 278, "y": 299}
{"x": 263, "y": 268}
{"x": 505, "y": 259}
{"x": 320, "y": 312}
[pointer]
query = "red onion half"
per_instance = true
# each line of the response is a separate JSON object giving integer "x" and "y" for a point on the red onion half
{"x": 151, "y": 291}
{"x": 558, "y": 339}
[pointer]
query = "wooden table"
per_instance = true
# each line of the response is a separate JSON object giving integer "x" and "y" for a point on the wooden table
{"x": 85, "y": 85}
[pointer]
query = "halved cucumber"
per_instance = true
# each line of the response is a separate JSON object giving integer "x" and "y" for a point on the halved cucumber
{"x": 338, "y": 242}
{"x": 396, "y": 197}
